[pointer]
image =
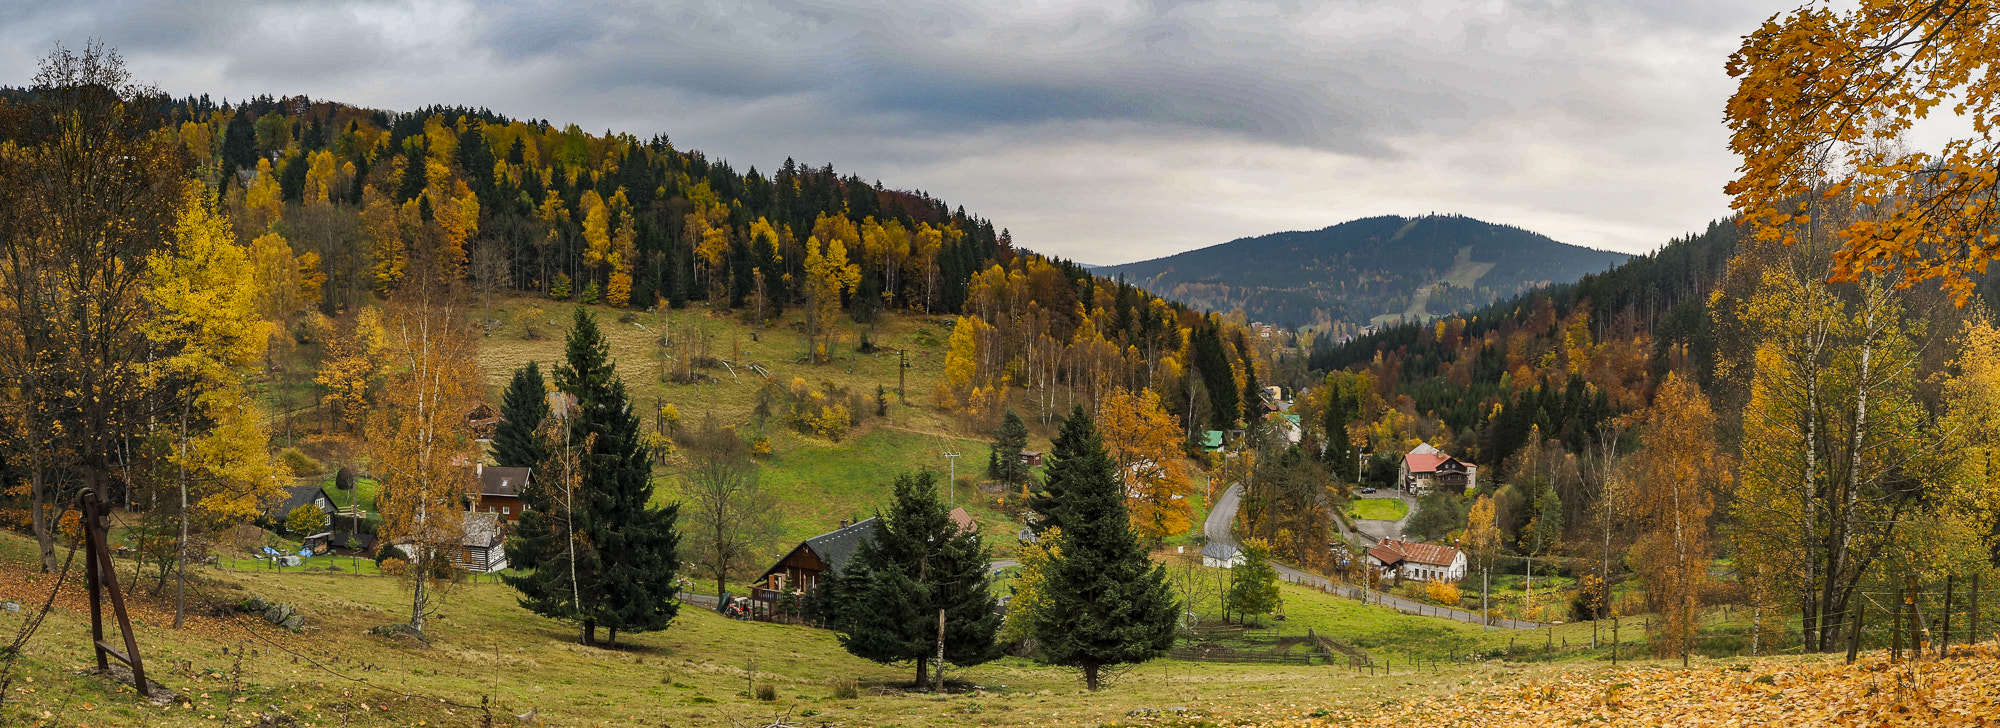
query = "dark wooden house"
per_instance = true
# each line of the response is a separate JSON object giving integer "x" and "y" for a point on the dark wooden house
{"x": 500, "y": 491}
{"x": 800, "y": 570}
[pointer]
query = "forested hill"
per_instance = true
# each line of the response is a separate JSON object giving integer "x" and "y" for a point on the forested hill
{"x": 1561, "y": 359}
{"x": 1378, "y": 269}
{"x": 554, "y": 210}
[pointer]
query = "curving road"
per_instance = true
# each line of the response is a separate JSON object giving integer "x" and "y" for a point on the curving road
{"x": 1222, "y": 519}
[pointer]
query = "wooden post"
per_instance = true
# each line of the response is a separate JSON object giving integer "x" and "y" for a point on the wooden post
{"x": 1916, "y": 642}
{"x": 1944, "y": 622}
{"x": 102, "y": 579}
{"x": 1972, "y": 635}
{"x": 1854, "y": 634}
{"x": 1896, "y": 628}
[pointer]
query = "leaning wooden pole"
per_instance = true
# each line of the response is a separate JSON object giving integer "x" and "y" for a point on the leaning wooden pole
{"x": 102, "y": 579}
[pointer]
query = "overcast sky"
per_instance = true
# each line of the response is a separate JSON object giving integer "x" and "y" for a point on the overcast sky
{"x": 1105, "y": 132}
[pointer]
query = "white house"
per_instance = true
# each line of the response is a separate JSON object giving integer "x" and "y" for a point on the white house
{"x": 1218, "y": 555}
{"x": 1418, "y": 561}
{"x": 1426, "y": 467}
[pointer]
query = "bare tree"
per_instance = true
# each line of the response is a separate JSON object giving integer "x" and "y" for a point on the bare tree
{"x": 729, "y": 518}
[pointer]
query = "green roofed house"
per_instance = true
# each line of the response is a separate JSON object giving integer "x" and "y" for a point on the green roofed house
{"x": 1211, "y": 440}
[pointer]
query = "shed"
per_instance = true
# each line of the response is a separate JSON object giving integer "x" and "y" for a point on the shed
{"x": 1031, "y": 458}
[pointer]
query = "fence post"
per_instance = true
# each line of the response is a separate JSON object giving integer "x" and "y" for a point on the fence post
{"x": 1972, "y": 635}
{"x": 1944, "y": 621}
{"x": 1916, "y": 646}
{"x": 1896, "y": 628}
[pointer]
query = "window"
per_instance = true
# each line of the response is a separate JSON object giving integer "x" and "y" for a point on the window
{"x": 505, "y": 511}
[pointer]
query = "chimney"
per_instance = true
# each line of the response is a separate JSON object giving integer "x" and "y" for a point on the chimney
{"x": 478, "y": 469}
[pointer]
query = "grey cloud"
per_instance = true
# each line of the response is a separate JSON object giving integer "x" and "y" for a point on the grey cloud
{"x": 1065, "y": 120}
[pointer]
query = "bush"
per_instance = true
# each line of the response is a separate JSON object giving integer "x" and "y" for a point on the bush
{"x": 1442, "y": 593}
{"x": 846, "y": 689}
{"x": 590, "y": 294}
{"x": 394, "y": 566}
{"x": 767, "y": 692}
{"x": 298, "y": 463}
{"x": 305, "y": 520}
{"x": 561, "y": 289}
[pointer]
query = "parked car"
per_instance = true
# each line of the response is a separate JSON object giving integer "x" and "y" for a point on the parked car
{"x": 1368, "y": 491}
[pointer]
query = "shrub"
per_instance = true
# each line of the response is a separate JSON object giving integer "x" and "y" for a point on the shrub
{"x": 1442, "y": 593}
{"x": 561, "y": 289}
{"x": 846, "y": 689}
{"x": 767, "y": 692}
{"x": 394, "y": 566}
{"x": 760, "y": 446}
{"x": 590, "y": 294}
{"x": 305, "y": 520}
{"x": 298, "y": 463}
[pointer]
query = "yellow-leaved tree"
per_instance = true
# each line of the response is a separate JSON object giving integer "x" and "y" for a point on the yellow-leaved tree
{"x": 203, "y": 296}
{"x": 1822, "y": 97}
{"x": 1685, "y": 474}
{"x": 419, "y": 447}
{"x": 1145, "y": 443}
{"x": 828, "y": 276}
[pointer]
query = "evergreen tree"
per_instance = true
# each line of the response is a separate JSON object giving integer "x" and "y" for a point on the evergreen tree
{"x": 917, "y": 564}
{"x": 592, "y": 511}
{"x": 1216, "y": 377}
{"x": 1004, "y": 463}
{"x": 1068, "y": 461}
{"x": 522, "y": 410}
{"x": 1253, "y": 585}
{"x": 1107, "y": 603}
{"x": 1253, "y": 392}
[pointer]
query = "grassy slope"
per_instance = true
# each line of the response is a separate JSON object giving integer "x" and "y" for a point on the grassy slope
{"x": 818, "y": 481}
{"x": 483, "y": 644}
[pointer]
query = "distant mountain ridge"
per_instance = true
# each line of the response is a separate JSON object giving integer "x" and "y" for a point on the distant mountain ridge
{"x": 1379, "y": 270}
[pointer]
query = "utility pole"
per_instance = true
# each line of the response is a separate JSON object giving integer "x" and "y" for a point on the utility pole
{"x": 951, "y": 483}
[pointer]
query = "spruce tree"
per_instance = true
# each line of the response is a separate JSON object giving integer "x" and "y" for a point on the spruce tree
{"x": 1068, "y": 460}
{"x": 626, "y": 552}
{"x": 522, "y": 410}
{"x": 1107, "y": 604}
{"x": 1004, "y": 464}
{"x": 918, "y": 563}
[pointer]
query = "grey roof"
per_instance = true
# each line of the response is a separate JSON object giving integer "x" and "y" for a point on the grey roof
{"x": 483, "y": 529}
{"x": 837, "y": 546}
{"x": 1218, "y": 550}
{"x": 300, "y": 495}
{"x": 503, "y": 481}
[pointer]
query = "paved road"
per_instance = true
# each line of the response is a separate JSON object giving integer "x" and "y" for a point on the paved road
{"x": 1223, "y": 517}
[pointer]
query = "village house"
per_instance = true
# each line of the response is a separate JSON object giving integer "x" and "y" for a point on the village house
{"x": 482, "y": 550}
{"x": 483, "y": 420}
{"x": 1417, "y": 561}
{"x": 1219, "y": 555}
{"x": 301, "y": 495}
{"x": 799, "y": 572}
{"x": 1031, "y": 458}
{"x": 1426, "y": 468}
{"x": 802, "y": 568}
{"x": 500, "y": 490}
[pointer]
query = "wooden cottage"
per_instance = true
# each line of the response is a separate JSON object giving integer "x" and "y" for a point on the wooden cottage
{"x": 800, "y": 570}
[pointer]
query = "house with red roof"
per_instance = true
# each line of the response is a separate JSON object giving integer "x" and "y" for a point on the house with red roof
{"x": 1418, "y": 561}
{"x": 1426, "y": 468}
